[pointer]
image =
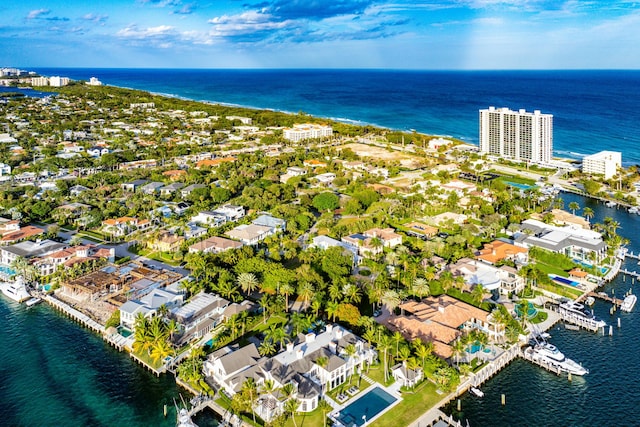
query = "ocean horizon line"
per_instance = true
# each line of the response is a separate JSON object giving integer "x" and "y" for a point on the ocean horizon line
{"x": 428, "y": 70}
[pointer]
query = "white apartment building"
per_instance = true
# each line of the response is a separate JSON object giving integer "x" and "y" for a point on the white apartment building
{"x": 40, "y": 81}
{"x": 300, "y": 132}
{"x": 603, "y": 163}
{"x": 517, "y": 135}
{"x": 93, "y": 81}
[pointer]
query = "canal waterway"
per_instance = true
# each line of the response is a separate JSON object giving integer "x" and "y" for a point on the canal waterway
{"x": 608, "y": 395}
{"x": 54, "y": 372}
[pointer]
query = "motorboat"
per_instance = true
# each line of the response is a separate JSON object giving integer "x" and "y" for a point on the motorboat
{"x": 549, "y": 354}
{"x": 590, "y": 301}
{"x": 577, "y": 311}
{"x": 633, "y": 210}
{"x": 611, "y": 204}
{"x": 16, "y": 290}
{"x": 476, "y": 392}
{"x": 628, "y": 303}
{"x": 33, "y": 301}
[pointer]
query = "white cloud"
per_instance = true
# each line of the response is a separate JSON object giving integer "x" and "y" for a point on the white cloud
{"x": 132, "y": 32}
{"x": 37, "y": 13}
{"x": 245, "y": 23}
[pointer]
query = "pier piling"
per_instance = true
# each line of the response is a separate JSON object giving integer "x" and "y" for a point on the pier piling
{"x": 504, "y": 401}
{"x": 618, "y": 322}
{"x": 610, "y": 330}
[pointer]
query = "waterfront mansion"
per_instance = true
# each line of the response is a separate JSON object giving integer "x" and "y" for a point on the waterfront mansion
{"x": 570, "y": 240}
{"x": 313, "y": 364}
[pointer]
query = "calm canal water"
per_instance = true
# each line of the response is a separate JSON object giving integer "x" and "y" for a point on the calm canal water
{"x": 607, "y": 396}
{"x": 54, "y": 372}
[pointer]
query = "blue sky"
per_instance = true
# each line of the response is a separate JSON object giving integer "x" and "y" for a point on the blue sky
{"x": 408, "y": 34}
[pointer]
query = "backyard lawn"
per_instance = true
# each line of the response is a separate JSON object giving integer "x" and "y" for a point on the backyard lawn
{"x": 412, "y": 405}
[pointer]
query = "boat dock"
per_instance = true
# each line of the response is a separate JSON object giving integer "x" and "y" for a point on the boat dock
{"x": 529, "y": 357}
{"x": 633, "y": 274}
{"x": 615, "y": 301}
{"x": 75, "y": 314}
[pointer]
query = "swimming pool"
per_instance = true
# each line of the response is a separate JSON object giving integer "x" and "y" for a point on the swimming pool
{"x": 365, "y": 408}
{"x": 6, "y": 271}
{"x": 520, "y": 186}
{"x": 563, "y": 280}
{"x": 531, "y": 310}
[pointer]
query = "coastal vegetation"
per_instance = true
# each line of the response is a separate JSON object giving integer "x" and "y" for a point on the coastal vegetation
{"x": 459, "y": 200}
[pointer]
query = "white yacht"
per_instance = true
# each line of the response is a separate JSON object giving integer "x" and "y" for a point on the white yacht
{"x": 628, "y": 303}
{"x": 16, "y": 290}
{"x": 611, "y": 204}
{"x": 575, "y": 310}
{"x": 549, "y": 353}
{"x": 633, "y": 210}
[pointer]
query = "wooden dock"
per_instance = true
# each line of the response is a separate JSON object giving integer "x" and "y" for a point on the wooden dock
{"x": 633, "y": 274}
{"x": 615, "y": 301}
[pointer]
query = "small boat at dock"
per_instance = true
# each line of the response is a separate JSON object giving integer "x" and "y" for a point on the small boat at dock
{"x": 590, "y": 301}
{"x": 628, "y": 303}
{"x": 611, "y": 204}
{"x": 476, "y": 392}
{"x": 33, "y": 301}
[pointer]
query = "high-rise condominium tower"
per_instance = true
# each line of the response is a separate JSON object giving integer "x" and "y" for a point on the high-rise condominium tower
{"x": 517, "y": 135}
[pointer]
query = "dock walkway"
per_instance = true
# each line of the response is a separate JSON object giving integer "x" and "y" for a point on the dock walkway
{"x": 75, "y": 314}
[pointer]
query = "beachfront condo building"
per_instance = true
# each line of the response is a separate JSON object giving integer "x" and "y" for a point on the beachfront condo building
{"x": 301, "y": 132}
{"x": 517, "y": 135}
{"x": 604, "y": 163}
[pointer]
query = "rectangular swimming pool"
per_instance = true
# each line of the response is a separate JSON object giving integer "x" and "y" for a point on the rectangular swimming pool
{"x": 564, "y": 280}
{"x": 365, "y": 408}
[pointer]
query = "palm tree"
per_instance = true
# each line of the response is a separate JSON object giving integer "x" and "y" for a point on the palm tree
{"x": 332, "y": 310}
{"x": 267, "y": 348}
{"x": 423, "y": 351}
{"x": 248, "y": 282}
{"x": 276, "y": 334}
{"x": 384, "y": 344}
{"x": 290, "y": 407}
{"x": 588, "y": 213}
{"x": 421, "y": 287}
{"x": 286, "y": 289}
{"x": 457, "y": 349}
{"x": 325, "y": 407}
{"x": 352, "y": 293}
{"x": 477, "y": 293}
{"x": 160, "y": 350}
{"x": 249, "y": 387}
{"x": 306, "y": 292}
{"x": 390, "y": 299}
{"x": 573, "y": 207}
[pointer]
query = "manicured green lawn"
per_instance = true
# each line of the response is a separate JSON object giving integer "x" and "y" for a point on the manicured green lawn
{"x": 277, "y": 319}
{"x": 311, "y": 419}
{"x": 413, "y": 404}
{"x": 376, "y": 373}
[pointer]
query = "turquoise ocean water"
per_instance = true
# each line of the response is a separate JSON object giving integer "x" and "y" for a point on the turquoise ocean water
{"x": 54, "y": 372}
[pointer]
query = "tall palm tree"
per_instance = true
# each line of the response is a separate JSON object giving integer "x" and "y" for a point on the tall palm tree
{"x": 306, "y": 292}
{"x": 588, "y": 213}
{"x": 290, "y": 407}
{"x": 384, "y": 344}
{"x": 573, "y": 207}
{"x": 286, "y": 289}
{"x": 249, "y": 387}
{"x": 325, "y": 407}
